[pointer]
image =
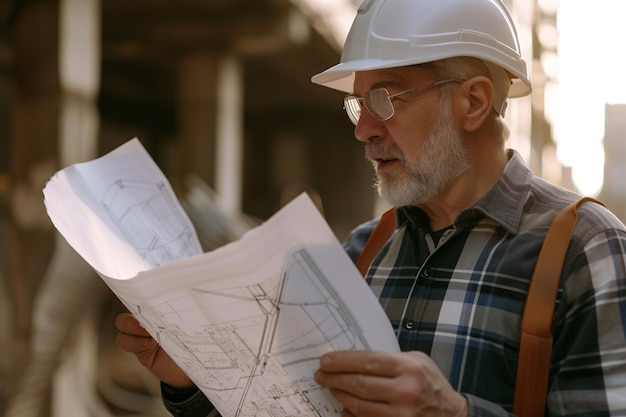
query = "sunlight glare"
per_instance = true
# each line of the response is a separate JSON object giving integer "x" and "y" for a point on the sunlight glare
{"x": 591, "y": 67}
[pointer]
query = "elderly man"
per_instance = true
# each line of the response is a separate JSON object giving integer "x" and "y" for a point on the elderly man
{"x": 428, "y": 82}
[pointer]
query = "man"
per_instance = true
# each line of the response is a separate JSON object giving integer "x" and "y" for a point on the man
{"x": 428, "y": 83}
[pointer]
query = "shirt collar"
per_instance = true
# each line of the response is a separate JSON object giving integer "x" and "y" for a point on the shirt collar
{"x": 504, "y": 202}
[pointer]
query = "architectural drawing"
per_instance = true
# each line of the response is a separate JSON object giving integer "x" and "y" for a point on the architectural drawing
{"x": 150, "y": 220}
{"x": 247, "y": 321}
{"x": 258, "y": 346}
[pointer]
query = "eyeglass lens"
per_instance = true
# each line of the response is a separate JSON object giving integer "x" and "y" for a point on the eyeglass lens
{"x": 376, "y": 101}
{"x": 352, "y": 105}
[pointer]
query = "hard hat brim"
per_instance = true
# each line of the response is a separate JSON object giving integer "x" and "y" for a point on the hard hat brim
{"x": 341, "y": 76}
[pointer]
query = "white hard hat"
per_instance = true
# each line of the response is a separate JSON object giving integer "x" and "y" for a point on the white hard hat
{"x": 394, "y": 33}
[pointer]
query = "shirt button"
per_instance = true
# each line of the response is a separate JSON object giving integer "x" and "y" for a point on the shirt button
{"x": 409, "y": 324}
{"x": 426, "y": 272}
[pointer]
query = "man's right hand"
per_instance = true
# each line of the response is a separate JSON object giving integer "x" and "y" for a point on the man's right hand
{"x": 135, "y": 339}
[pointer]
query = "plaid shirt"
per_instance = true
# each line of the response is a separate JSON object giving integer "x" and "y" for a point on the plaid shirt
{"x": 460, "y": 299}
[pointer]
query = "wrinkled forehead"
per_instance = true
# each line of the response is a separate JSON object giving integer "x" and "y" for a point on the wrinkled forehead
{"x": 399, "y": 76}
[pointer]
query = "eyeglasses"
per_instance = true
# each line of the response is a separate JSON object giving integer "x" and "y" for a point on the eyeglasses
{"x": 378, "y": 101}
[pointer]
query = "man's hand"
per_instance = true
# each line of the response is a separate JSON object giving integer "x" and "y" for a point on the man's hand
{"x": 375, "y": 384}
{"x": 135, "y": 339}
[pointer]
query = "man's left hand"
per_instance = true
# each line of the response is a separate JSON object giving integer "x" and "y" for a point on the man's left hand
{"x": 377, "y": 384}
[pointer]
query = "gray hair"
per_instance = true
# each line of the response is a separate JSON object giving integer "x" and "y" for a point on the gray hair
{"x": 468, "y": 67}
{"x": 465, "y": 68}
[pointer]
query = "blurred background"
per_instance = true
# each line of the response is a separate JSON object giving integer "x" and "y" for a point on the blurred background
{"x": 219, "y": 93}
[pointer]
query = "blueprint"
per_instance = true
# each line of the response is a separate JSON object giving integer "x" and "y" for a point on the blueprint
{"x": 248, "y": 321}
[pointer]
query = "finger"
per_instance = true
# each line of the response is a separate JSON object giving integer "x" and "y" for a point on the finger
{"x": 384, "y": 364}
{"x": 368, "y": 387}
{"x": 354, "y": 406}
{"x": 127, "y": 323}
{"x": 135, "y": 344}
{"x": 346, "y": 413}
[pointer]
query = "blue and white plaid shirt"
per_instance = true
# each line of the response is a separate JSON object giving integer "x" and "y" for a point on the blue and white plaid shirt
{"x": 460, "y": 299}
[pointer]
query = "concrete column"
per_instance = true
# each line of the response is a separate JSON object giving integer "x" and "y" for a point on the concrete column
{"x": 613, "y": 193}
{"x": 210, "y": 106}
{"x": 196, "y": 116}
{"x": 229, "y": 135}
{"x": 79, "y": 74}
{"x": 519, "y": 112}
{"x": 59, "y": 86}
{"x": 34, "y": 140}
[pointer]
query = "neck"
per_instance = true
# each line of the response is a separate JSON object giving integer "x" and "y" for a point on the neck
{"x": 484, "y": 171}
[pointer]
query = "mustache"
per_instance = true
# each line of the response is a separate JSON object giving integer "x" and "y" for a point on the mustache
{"x": 377, "y": 150}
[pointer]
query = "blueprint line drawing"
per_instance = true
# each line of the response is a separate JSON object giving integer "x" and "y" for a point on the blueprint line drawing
{"x": 259, "y": 345}
{"x": 148, "y": 217}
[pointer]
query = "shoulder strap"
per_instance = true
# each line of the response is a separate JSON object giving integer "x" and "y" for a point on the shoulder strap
{"x": 531, "y": 386}
{"x": 377, "y": 239}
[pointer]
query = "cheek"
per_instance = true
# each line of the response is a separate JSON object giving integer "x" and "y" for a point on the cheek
{"x": 414, "y": 123}
{"x": 410, "y": 140}
{"x": 412, "y": 126}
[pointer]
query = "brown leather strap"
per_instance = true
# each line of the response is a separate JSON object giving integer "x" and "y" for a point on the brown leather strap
{"x": 377, "y": 239}
{"x": 531, "y": 386}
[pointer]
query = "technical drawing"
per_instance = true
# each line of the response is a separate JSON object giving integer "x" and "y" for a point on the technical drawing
{"x": 147, "y": 215}
{"x": 254, "y": 349}
{"x": 247, "y": 321}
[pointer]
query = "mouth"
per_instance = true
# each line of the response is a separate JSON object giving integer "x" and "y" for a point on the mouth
{"x": 385, "y": 163}
{"x": 383, "y": 157}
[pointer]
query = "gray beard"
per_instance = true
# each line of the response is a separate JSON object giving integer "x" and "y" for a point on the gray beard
{"x": 440, "y": 160}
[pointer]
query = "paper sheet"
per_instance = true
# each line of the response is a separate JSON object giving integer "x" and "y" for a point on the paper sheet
{"x": 247, "y": 321}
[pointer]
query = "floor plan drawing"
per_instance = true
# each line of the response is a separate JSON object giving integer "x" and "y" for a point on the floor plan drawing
{"x": 259, "y": 345}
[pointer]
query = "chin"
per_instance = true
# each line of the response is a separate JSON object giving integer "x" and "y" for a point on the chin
{"x": 401, "y": 193}
{"x": 397, "y": 197}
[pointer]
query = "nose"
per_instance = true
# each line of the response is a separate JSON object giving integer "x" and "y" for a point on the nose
{"x": 368, "y": 127}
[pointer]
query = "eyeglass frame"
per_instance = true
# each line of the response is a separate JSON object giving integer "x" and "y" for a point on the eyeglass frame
{"x": 349, "y": 100}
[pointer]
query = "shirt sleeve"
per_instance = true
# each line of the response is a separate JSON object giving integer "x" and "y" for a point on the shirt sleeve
{"x": 355, "y": 242}
{"x": 588, "y": 370}
{"x": 189, "y": 402}
{"x": 481, "y": 408}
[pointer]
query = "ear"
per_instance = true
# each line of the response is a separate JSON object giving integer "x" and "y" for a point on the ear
{"x": 478, "y": 95}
